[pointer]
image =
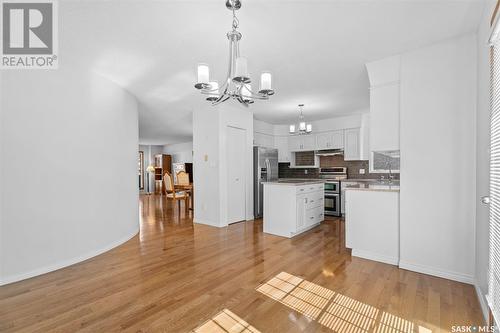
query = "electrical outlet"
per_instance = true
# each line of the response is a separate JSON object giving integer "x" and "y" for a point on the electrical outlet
{"x": 361, "y": 171}
{"x": 305, "y": 171}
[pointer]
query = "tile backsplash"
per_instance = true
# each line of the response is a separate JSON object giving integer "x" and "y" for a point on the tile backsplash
{"x": 353, "y": 168}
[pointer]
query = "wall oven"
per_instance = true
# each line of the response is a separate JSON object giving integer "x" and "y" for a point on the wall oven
{"x": 332, "y": 198}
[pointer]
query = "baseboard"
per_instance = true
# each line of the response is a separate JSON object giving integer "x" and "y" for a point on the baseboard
{"x": 375, "y": 256}
{"x": 68, "y": 262}
{"x": 482, "y": 302}
{"x": 450, "y": 275}
{"x": 206, "y": 222}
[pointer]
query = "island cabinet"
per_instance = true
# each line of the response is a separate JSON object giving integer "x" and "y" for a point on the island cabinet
{"x": 291, "y": 208}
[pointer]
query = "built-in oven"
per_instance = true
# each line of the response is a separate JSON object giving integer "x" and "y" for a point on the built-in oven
{"x": 333, "y": 187}
{"x": 332, "y": 198}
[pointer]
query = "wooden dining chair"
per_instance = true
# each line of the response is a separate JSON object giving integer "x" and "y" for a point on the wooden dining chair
{"x": 182, "y": 178}
{"x": 174, "y": 195}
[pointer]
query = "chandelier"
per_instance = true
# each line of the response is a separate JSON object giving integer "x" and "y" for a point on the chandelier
{"x": 237, "y": 85}
{"x": 302, "y": 127}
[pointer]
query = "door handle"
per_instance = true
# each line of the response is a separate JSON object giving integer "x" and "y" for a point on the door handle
{"x": 486, "y": 200}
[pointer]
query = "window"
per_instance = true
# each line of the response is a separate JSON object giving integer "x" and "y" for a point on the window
{"x": 494, "y": 260}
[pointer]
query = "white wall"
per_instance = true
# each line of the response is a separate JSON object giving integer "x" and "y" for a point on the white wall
{"x": 209, "y": 146}
{"x": 181, "y": 152}
{"x": 206, "y": 163}
{"x": 483, "y": 155}
{"x": 69, "y": 170}
{"x": 438, "y": 145}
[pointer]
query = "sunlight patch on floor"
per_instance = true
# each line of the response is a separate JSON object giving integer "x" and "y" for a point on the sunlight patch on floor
{"x": 333, "y": 310}
{"x": 226, "y": 322}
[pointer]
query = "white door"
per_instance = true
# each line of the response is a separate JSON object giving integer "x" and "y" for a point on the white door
{"x": 236, "y": 161}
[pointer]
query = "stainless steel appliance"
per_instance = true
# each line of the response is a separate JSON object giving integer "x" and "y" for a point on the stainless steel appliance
{"x": 332, "y": 189}
{"x": 265, "y": 169}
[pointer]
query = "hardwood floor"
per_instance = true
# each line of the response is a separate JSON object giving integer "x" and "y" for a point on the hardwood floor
{"x": 174, "y": 277}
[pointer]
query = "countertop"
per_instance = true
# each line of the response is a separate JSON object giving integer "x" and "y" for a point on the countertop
{"x": 295, "y": 182}
{"x": 374, "y": 187}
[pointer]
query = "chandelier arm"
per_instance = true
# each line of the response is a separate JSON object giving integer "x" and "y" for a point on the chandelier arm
{"x": 222, "y": 99}
{"x": 213, "y": 91}
{"x": 257, "y": 95}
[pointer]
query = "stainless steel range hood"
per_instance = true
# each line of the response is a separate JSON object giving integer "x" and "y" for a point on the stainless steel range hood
{"x": 329, "y": 152}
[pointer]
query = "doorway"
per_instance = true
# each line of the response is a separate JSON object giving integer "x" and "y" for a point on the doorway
{"x": 236, "y": 180}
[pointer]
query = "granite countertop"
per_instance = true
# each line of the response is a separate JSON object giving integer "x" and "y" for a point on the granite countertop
{"x": 373, "y": 187}
{"x": 369, "y": 180}
{"x": 295, "y": 181}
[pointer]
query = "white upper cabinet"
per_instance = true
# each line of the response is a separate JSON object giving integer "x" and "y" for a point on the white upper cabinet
{"x": 281, "y": 143}
{"x": 352, "y": 141}
{"x": 263, "y": 140}
{"x": 302, "y": 142}
{"x": 295, "y": 143}
{"x": 330, "y": 140}
{"x": 384, "y": 103}
{"x": 309, "y": 142}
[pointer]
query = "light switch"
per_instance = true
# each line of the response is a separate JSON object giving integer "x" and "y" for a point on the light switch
{"x": 361, "y": 171}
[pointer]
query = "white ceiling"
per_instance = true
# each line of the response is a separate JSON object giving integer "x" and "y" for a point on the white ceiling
{"x": 316, "y": 50}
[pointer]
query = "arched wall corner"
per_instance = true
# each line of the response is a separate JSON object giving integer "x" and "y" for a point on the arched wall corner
{"x": 68, "y": 171}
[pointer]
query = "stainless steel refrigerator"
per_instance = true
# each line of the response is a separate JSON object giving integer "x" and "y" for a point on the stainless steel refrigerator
{"x": 265, "y": 168}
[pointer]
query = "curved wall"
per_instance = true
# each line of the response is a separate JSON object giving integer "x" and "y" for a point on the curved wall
{"x": 68, "y": 170}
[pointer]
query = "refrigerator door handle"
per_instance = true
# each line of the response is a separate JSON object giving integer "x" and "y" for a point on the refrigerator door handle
{"x": 268, "y": 167}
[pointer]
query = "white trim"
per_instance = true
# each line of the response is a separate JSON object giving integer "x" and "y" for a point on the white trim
{"x": 483, "y": 302}
{"x": 68, "y": 262}
{"x": 450, "y": 275}
{"x": 375, "y": 257}
{"x": 209, "y": 223}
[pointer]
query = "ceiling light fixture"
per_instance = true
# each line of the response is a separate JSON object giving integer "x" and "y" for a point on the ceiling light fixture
{"x": 302, "y": 127}
{"x": 237, "y": 84}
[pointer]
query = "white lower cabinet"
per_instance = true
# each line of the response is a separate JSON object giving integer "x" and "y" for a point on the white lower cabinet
{"x": 290, "y": 209}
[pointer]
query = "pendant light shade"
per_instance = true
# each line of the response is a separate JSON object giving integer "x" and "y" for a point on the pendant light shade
{"x": 203, "y": 76}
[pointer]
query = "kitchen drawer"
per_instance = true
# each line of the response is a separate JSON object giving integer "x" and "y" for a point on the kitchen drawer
{"x": 310, "y": 188}
{"x": 314, "y": 215}
{"x": 315, "y": 199}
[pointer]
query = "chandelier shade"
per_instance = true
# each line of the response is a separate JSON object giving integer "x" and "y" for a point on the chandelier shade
{"x": 237, "y": 83}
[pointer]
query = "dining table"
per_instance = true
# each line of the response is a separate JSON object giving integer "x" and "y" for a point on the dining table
{"x": 188, "y": 188}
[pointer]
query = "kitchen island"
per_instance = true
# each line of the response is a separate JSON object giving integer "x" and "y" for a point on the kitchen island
{"x": 293, "y": 206}
{"x": 372, "y": 221}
